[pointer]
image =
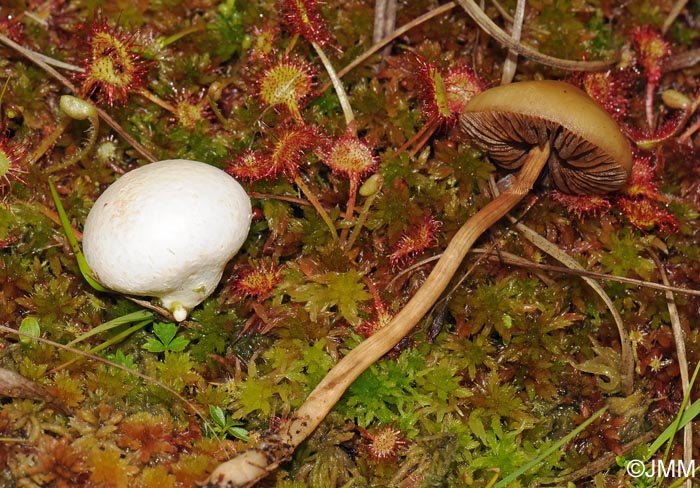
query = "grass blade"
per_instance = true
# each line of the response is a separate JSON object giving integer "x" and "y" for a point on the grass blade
{"x": 124, "y": 319}
{"x": 522, "y": 470}
{"x": 688, "y": 415}
{"x": 82, "y": 263}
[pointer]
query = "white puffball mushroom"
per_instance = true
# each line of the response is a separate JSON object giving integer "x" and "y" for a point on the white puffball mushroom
{"x": 166, "y": 230}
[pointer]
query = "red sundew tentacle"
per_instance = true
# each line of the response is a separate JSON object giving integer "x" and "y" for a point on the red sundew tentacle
{"x": 112, "y": 68}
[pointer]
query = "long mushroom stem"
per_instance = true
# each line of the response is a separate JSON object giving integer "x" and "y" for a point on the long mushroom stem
{"x": 254, "y": 464}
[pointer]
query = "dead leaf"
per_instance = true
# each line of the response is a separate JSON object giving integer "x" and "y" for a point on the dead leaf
{"x": 14, "y": 385}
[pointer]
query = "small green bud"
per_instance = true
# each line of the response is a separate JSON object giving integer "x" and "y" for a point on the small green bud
{"x": 77, "y": 108}
{"x": 372, "y": 185}
{"x": 675, "y": 99}
{"x": 29, "y": 327}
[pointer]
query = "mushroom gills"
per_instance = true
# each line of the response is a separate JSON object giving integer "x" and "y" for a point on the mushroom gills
{"x": 575, "y": 165}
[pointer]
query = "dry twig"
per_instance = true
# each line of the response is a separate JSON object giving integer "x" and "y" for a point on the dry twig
{"x": 679, "y": 338}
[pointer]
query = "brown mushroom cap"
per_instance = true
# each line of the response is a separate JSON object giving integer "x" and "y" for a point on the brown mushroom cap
{"x": 589, "y": 153}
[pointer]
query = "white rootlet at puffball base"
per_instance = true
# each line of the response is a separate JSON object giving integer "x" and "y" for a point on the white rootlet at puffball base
{"x": 167, "y": 230}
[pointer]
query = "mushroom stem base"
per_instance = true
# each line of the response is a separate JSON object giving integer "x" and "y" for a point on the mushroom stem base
{"x": 331, "y": 388}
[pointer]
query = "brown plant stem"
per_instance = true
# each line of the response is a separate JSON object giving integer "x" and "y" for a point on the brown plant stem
{"x": 673, "y": 14}
{"x": 361, "y": 219}
{"x": 152, "y": 97}
{"x": 649, "y": 104}
{"x": 679, "y": 339}
{"x": 254, "y": 464}
{"x": 692, "y": 129}
{"x": 48, "y": 213}
{"x": 317, "y": 205}
{"x": 511, "y": 259}
{"x": 488, "y": 26}
{"x": 397, "y": 33}
{"x": 282, "y": 198}
{"x": 48, "y": 141}
{"x": 350, "y": 209}
{"x": 420, "y": 138}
